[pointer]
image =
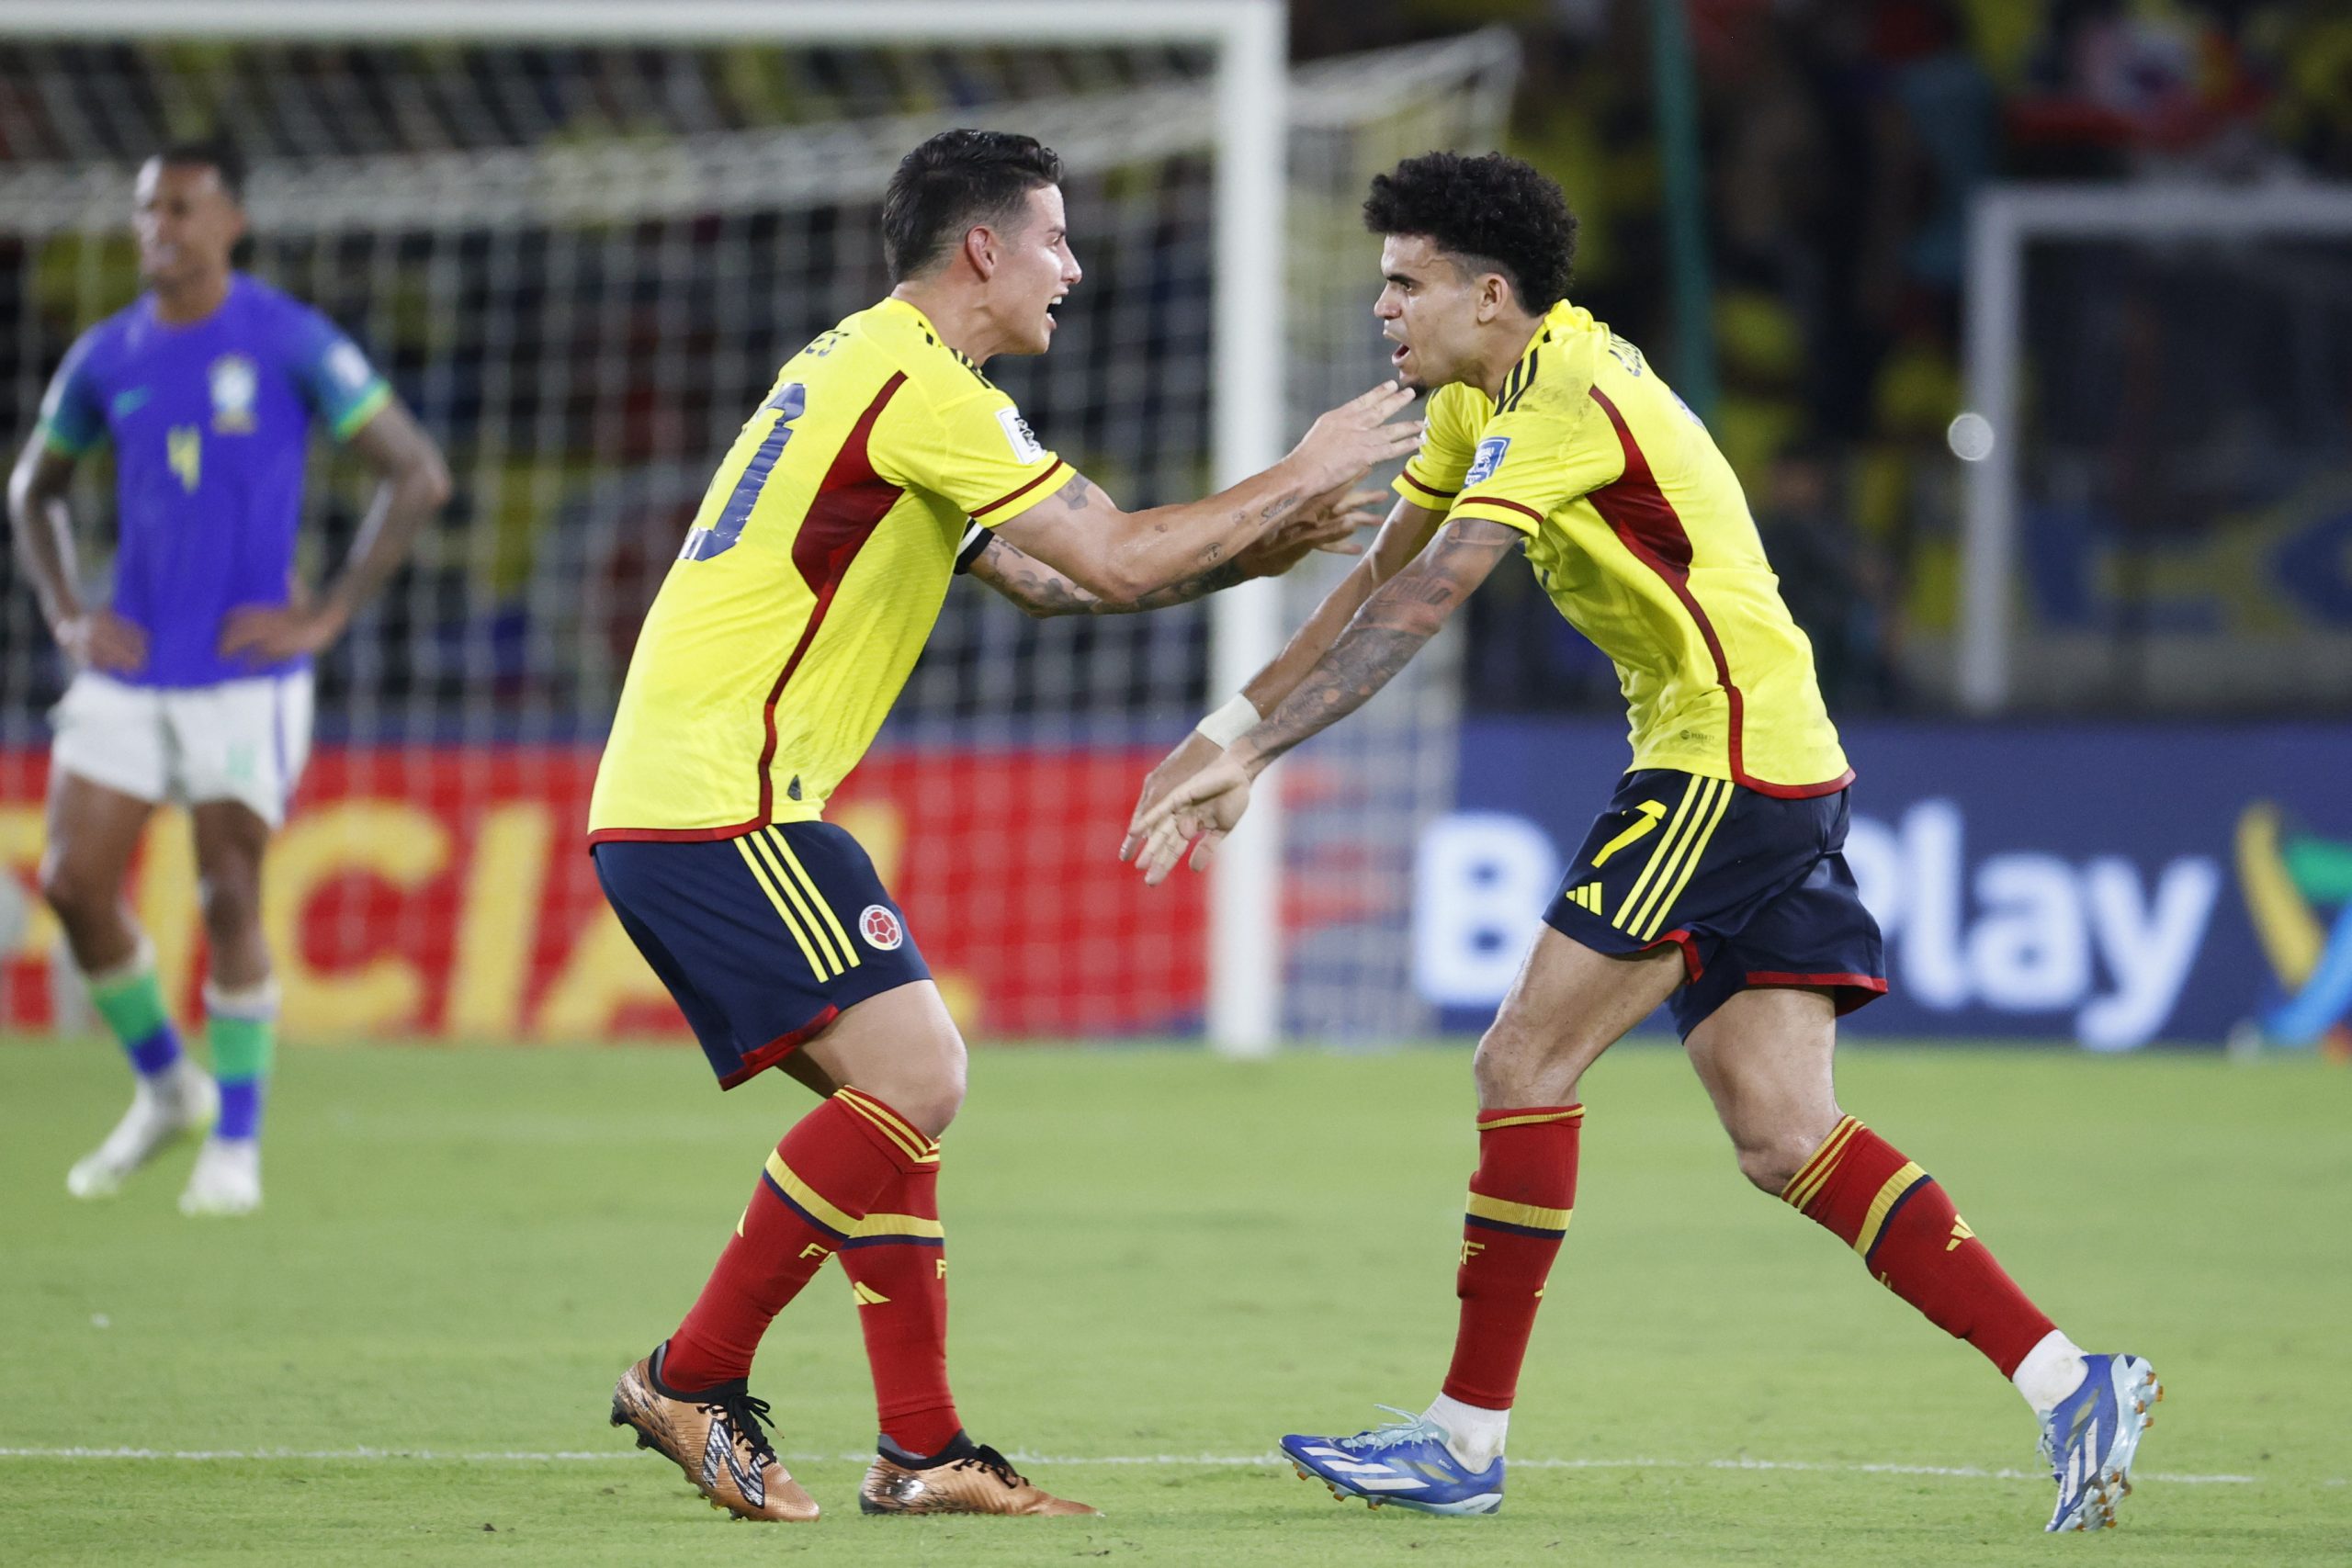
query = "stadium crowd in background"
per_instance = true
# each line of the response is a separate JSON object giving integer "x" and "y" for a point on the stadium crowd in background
{"x": 1843, "y": 141}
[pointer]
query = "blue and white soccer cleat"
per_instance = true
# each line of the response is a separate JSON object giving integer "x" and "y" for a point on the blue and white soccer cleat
{"x": 2091, "y": 1437}
{"x": 1405, "y": 1463}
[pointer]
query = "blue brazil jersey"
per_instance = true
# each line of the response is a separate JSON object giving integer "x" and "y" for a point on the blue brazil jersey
{"x": 211, "y": 424}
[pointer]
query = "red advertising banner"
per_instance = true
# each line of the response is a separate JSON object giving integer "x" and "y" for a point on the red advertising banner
{"x": 446, "y": 892}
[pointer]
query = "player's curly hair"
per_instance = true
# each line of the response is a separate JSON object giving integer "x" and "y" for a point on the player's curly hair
{"x": 1488, "y": 213}
{"x": 952, "y": 182}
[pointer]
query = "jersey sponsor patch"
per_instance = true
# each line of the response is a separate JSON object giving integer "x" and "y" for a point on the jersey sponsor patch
{"x": 1489, "y": 457}
{"x": 880, "y": 929}
{"x": 1026, "y": 448}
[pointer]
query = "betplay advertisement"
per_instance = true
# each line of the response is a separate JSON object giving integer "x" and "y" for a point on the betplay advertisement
{"x": 2114, "y": 886}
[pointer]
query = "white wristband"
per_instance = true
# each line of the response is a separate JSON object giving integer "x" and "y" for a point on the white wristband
{"x": 1231, "y": 722}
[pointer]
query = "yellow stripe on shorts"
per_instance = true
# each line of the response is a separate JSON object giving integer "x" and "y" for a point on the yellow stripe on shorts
{"x": 1670, "y": 888}
{"x": 850, "y": 959}
{"x": 759, "y": 875}
{"x": 832, "y": 965}
{"x": 1659, "y": 850}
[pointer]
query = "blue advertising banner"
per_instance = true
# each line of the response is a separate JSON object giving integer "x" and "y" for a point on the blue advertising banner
{"x": 2110, "y": 884}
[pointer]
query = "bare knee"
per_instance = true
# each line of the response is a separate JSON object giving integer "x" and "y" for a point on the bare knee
{"x": 231, "y": 899}
{"x": 902, "y": 1048}
{"x": 1515, "y": 1065}
{"x": 930, "y": 1101}
{"x": 80, "y": 894}
{"x": 1770, "y": 1152}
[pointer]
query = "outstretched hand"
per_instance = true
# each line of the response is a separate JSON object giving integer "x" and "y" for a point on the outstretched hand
{"x": 1197, "y": 814}
{"x": 1193, "y": 753}
{"x": 1357, "y": 436}
{"x": 1328, "y": 523}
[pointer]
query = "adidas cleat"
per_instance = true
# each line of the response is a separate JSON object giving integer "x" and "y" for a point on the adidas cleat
{"x": 163, "y": 1111}
{"x": 2090, "y": 1439}
{"x": 715, "y": 1435}
{"x": 1406, "y": 1462}
{"x": 963, "y": 1478}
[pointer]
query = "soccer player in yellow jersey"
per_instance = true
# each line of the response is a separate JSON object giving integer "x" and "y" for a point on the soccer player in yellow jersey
{"x": 882, "y": 461}
{"x": 1714, "y": 882}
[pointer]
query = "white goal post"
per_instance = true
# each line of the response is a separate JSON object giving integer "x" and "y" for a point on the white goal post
{"x": 1247, "y": 41}
{"x": 2007, "y": 221}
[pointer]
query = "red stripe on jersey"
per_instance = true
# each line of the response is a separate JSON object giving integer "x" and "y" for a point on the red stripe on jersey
{"x": 1645, "y": 522}
{"x": 1012, "y": 496}
{"x": 1536, "y": 516}
{"x": 1800, "y": 792}
{"x": 1647, "y": 525}
{"x": 850, "y": 503}
{"x": 669, "y": 835}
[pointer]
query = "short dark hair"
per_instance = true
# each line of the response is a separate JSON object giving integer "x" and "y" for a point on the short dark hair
{"x": 1490, "y": 213}
{"x": 952, "y": 182}
{"x": 209, "y": 153}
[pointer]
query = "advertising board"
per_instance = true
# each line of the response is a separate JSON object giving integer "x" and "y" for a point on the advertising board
{"x": 2110, "y": 884}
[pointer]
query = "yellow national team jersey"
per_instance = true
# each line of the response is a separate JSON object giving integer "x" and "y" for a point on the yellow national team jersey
{"x": 810, "y": 581}
{"x": 1640, "y": 534}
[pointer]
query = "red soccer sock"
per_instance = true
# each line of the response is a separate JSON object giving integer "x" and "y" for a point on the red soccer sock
{"x": 1861, "y": 1189}
{"x": 896, "y": 1263}
{"x": 821, "y": 1180}
{"x": 1521, "y": 1198}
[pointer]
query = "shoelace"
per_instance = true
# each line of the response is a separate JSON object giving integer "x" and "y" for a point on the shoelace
{"x": 1389, "y": 1434}
{"x": 745, "y": 1418}
{"x": 996, "y": 1464}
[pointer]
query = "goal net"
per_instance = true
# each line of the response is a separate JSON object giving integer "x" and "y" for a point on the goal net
{"x": 2163, "y": 526}
{"x": 580, "y": 265}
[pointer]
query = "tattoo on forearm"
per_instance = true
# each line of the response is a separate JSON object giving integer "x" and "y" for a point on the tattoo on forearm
{"x": 1385, "y": 634}
{"x": 1040, "y": 590}
{"x": 1216, "y": 579}
{"x": 1365, "y": 658}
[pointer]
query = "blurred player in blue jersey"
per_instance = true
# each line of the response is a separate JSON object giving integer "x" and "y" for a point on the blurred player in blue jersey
{"x": 192, "y": 679}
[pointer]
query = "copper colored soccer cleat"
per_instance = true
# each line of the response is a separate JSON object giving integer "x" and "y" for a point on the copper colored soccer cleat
{"x": 714, "y": 1435}
{"x": 981, "y": 1481}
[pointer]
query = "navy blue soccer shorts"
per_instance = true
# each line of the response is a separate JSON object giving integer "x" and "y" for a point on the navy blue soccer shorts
{"x": 762, "y": 939}
{"x": 1753, "y": 889}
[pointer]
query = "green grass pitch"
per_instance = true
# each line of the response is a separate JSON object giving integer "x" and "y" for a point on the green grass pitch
{"x": 1161, "y": 1262}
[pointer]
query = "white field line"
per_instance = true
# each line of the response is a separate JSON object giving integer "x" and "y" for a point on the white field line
{"x": 1199, "y": 1462}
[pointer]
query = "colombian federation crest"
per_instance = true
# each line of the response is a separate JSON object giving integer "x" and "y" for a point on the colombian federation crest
{"x": 881, "y": 928}
{"x": 235, "y": 384}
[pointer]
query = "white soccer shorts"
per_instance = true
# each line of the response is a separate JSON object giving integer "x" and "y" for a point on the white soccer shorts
{"x": 241, "y": 741}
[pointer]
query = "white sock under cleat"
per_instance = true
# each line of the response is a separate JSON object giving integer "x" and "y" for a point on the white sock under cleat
{"x": 227, "y": 1179}
{"x": 163, "y": 1109}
